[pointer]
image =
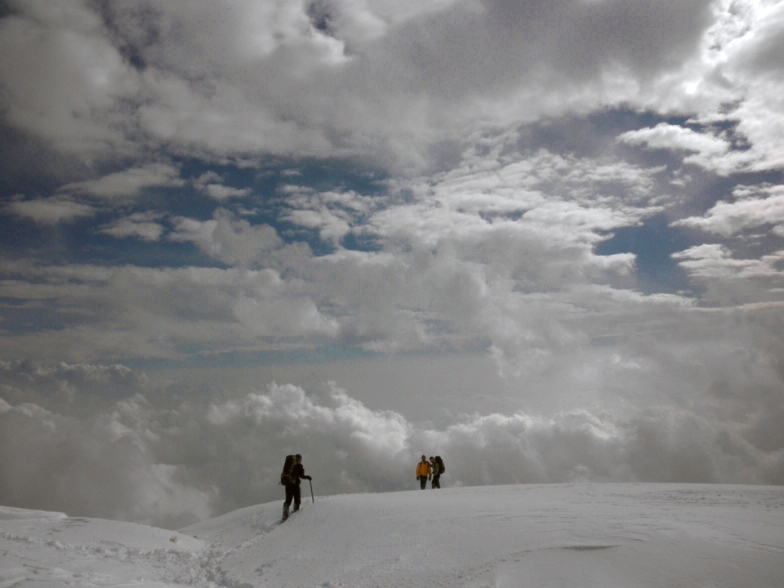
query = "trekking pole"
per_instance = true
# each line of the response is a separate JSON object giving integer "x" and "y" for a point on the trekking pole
{"x": 311, "y": 491}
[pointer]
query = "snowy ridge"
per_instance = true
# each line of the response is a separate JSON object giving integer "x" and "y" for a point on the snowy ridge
{"x": 545, "y": 535}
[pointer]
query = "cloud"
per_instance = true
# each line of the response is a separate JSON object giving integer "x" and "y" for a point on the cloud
{"x": 273, "y": 308}
{"x": 334, "y": 214}
{"x": 224, "y": 192}
{"x": 668, "y": 136}
{"x": 715, "y": 262}
{"x": 389, "y": 82}
{"x": 141, "y": 225}
{"x": 228, "y": 239}
{"x": 327, "y": 78}
{"x": 705, "y": 149}
{"x": 382, "y": 433}
{"x": 169, "y": 465}
{"x": 465, "y": 258}
{"x": 63, "y": 384}
{"x": 63, "y": 80}
{"x": 98, "y": 467}
{"x": 731, "y": 281}
{"x": 148, "y": 312}
{"x": 709, "y": 439}
{"x": 49, "y": 211}
{"x": 755, "y": 74}
{"x": 457, "y": 264}
{"x": 753, "y": 207}
{"x": 211, "y": 184}
{"x": 128, "y": 183}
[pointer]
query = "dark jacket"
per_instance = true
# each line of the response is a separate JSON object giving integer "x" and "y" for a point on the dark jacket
{"x": 297, "y": 472}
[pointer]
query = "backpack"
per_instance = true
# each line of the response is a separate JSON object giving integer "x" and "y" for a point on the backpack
{"x": 440, "y": 462}
{"x": 285, "y": 476}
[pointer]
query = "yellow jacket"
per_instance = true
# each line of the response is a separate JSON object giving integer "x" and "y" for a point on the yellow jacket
{"x": 423, "y": 469}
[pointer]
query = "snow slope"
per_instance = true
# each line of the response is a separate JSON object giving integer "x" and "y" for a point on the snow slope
{"x": 585, "y": 535}
{"x": 50, "y": 549}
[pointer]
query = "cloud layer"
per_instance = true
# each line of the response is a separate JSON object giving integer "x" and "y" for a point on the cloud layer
{"x": 334, "y": 77}
{"x": 170, "y": 465}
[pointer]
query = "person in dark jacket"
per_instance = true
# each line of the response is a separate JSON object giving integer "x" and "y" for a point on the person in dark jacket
{"x": 436, "y": 469}
{"x": 441, "y": 470}
{"x": 292, "y": 488}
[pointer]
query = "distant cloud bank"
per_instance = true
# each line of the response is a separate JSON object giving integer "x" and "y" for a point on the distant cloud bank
{"x": 171, "y": 465}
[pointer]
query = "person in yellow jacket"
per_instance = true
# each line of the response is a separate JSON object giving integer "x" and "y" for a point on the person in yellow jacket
{"x": 423, "y": 472}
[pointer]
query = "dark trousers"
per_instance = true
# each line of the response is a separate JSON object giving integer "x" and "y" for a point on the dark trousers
{"x": 436, "y": 482}
{"x": 423, "y": 482}
{"x": 292, "y": 493}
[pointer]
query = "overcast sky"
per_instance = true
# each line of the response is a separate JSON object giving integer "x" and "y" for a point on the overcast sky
{"x": 542, "y": 239}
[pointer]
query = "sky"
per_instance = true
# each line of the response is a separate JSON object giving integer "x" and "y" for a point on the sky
{"x": 542, "y": 239}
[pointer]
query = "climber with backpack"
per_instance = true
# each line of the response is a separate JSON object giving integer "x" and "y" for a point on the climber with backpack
{"x": 293, "y": 471}
{"x": 438, "y": 469}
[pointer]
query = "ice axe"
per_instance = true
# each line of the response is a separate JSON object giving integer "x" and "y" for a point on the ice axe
{"x": 311, "y": 491}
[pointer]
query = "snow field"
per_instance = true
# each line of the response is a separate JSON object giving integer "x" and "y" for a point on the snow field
{"x": 581, "y": 535}
{"x": 553, "y": 535}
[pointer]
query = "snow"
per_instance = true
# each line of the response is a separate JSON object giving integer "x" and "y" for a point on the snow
{"x": 586, "y": 535}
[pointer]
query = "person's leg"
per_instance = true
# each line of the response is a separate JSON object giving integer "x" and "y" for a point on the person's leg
{"x": 422, "y": 482}
{"x": 437, "y": 481}
{"x": 289, "y": 496}
{"x": 297, "y": 497}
